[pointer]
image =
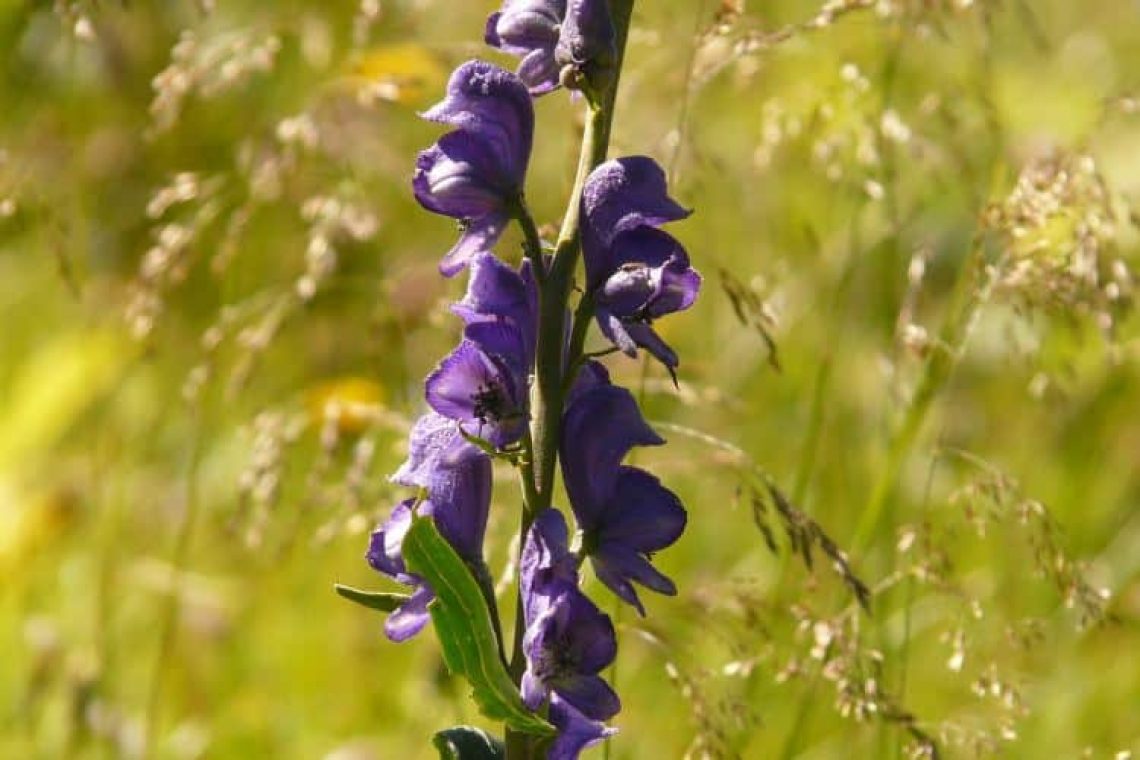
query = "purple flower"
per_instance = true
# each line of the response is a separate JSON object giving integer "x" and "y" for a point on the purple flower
{"x": 496, "y": 293}
{"x": 529, "y": 29}
{"x": 576, "y": 732}
{"x": 568, "y": 640}
{"x": 385, "y": 555}
{"x": 476, "y": 173}
{"x": 624, "y": 512}
{"x": 585, "y": 51}
{"x": 559, "y": 41}
{"x": 484, "y": 383}
{"x": 457, "y": 479}
{"x": 635, "y": 272}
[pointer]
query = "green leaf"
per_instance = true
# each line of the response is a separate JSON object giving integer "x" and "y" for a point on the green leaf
{"x": 468, "y": 743}
{"x": 463, "y": 624}
{"x": 374, "y": 600}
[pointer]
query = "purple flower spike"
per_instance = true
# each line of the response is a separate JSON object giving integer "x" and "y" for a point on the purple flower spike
{"x": 576, "y": 732}
{"x": 476, "y": 173}
{"x": 529, "y": 29}
{"x": 625, "y": 513}
{"x": 636, "y": 272}
{"x": 568, "y": 640}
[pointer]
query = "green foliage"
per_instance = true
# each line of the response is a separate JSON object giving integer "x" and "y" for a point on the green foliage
{"x": 373, "y": 600}
{"x": 467, "y": 743}
{"x": 463, "y": 624}
{"x": 218, "y": 301}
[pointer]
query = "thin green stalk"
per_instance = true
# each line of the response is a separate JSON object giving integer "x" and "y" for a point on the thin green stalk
{"x": 168, "y": 626}
{"x": 940, "y": 365}
{"x": 554, "y": 293}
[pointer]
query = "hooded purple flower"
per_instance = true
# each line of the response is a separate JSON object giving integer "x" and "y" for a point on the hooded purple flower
{"x": 457, "y": 478}
{"x": 568, "y": 640}
{"x": 476, "y": 173}
{"x": 483, "y": 384}
{"x": 624, "y": 512}
{"x": 585, "y": 51}
{"x": 558, "y": 40}
{"x": 529, "y": 29}
{"x": 635, "y": 272}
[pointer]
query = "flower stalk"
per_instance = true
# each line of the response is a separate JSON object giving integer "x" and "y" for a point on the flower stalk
{"x": 520, "y": 386}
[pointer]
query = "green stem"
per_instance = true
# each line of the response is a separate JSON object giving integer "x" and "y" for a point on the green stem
{"x": 554, "y": 294}
{"x": 533, "y": 245}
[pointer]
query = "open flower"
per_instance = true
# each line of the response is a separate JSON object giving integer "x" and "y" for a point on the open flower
{"x": 568, "y": 640}
{"x": 484, "y": 383}
{"x": 476, "y": 173}
{"x": 457, "y": 479}
{"x": 635, "y": 272}
{"x": 624, "y": 512}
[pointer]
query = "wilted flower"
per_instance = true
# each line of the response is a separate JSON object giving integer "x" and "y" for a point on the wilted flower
{"x": 634, "y": 271}
{"x": 624, "y": 512}
{"x": 476, "y": 173}
{"x": 568, "y": 640}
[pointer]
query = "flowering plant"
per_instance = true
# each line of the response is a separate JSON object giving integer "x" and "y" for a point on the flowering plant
{"x": 521, "y": 386}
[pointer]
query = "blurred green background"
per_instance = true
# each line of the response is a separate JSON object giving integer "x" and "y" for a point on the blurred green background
{"x": 917, "y": 221}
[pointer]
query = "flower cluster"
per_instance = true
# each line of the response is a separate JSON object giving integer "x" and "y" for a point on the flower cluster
{"x": 479, "y": 397}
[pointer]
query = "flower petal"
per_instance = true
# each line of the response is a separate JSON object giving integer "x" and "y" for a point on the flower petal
{"x": 618, "y": 196}
{"x": 460, "y": 499}
{"x": 616, "y": 565}
{"x": 385, "y": 549}
{"x": 411, "y": 617}
{"x": 496, "y": 290}
{"x": 494, "y": 104}
{"x": 480, "y": 235}
{"x": 451, "y": 388}
{"x": 598, "y": 430}
{"x": 590, "y": 695}
{"x": 435, "y": 442}
{"x": 643, "y": 515}
{"x": 460, "y": 176}
{"x": 576, "y": 732}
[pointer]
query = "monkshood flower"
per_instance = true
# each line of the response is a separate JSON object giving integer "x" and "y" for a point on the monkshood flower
{"x": 625, "y": 514}
{"x": 585, "y": 52}
{"x": 484, "y": 383}
{"x": 634, "y": 272}
{"x": 476, "y": 173}
{"x": 568, "y": 640}
{"x": 497, "y": 293}
{"x": 529, "y": 29}
{"x": 559, "y": 42}
{"x": 457, "y": 480}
